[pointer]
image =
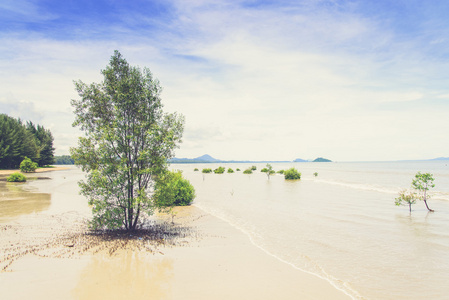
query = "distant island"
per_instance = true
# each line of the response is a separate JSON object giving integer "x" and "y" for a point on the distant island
{"x": 321, "y": 159}
{"x": 206, "y": 158}
{"x": 301, "y": 160}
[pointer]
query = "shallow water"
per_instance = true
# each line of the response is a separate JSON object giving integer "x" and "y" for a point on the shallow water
{"x": 342, "y": 225}
{"x": 39, "y": 217}
{"x": 15, "y": 201}
{"x": 44, "y": 194}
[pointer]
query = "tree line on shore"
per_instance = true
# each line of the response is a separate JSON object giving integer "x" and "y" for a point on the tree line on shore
{"x": 64, "y": 160}
{"x": 24, "y": 139}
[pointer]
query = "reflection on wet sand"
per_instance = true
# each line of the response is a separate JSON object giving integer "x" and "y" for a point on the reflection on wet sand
{"x": 53, "y": 255}
{"x": 14, "y": 201}
{"x": 127, "y": 274}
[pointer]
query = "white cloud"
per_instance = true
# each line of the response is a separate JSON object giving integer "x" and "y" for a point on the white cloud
{"x": 24, "y": 110}
{"x": 23, "y": 9}
{"x": 443, "y": 96}
{"x": 255, "y": 83}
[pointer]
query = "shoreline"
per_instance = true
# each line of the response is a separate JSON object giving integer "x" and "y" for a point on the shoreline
{"x": 38, "y": 170}
{"x": 214, "y": 261}
{"x": 268, "y": 253}
{"x": 236, "y": 267}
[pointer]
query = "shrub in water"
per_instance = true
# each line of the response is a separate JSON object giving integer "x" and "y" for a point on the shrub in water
{"x": 292, "y": 174}
{"x": 173, "y": 190}
{"x": 16, "y": 177}
{"x": 27, "y": 165}
{"x": 219, "y": 170}
{"x": 248, "y": 171}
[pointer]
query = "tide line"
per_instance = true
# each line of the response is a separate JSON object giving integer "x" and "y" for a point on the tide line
{"x": 343, "y": 287}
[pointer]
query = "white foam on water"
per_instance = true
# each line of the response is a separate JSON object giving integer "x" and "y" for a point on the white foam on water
{"x": 338, "y": 284}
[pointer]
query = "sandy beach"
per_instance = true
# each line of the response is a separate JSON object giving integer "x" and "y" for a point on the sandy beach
{"x": 39, "y": 170}
{"x": 44, "y": 255}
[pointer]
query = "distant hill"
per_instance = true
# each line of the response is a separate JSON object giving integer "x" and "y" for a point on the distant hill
{"x": 206, "y": 158}
{"x": 320, "y": 159}
{"x": 300, "y": 160}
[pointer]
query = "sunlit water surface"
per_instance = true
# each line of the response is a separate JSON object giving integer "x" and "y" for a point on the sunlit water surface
{"x": 342, "y": 225}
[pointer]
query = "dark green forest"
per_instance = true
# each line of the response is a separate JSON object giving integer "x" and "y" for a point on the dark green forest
{"x": 19, "y": 140}
{"x": 64, "y": 160}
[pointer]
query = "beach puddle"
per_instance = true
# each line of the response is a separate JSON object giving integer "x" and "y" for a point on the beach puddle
{"x": 15, "y": 201}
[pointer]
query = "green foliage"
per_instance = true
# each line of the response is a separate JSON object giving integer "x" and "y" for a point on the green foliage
{"x": 172, "y": 189}
{"x": 230, "y": 170}
{"x": 219, "y": 170}
{"x": 127, "y": 142}
{"x": 423, "y": 183}
{"x": 315, "y": 174}
{"x": 406, "y": 198}
{"x": 64, "y": 160}
{"x": 253, "y": 168}
{"x": 44, "y": 142}
{"x": 238, "y": 170}
{"x": 18, "y": 140}
{"x": 207, "y": 170}
{"x": 196, "y": 170}
{"x": 248, "y": 171}
{"x": 16, "y": 177}
{"x": 268, "y": 170}
{"x": 281, "y": 171}
{"x": 27, "y": 165}
{"x": 292, "y": 174}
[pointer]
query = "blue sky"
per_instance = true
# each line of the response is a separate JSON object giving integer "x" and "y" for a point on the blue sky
{"x": 262, "y": 80}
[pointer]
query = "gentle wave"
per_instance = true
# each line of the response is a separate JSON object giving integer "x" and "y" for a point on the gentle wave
{"x": 361, "y": 186}
{"x": 444, "y": 196}
{"x": 342, "y": 226}
{"x": 338, "y": 284}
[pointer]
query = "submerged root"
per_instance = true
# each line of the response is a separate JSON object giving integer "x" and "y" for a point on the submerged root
{"x": 62, "y": 238}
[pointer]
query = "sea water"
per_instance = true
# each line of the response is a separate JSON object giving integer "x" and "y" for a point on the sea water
{"x": 341, "y": 225}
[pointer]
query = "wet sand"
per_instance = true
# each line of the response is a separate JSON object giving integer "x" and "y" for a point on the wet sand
{"x": 39, "y": 170}
{"x": 204, "y": 258}
{"x": 226, "y": 265}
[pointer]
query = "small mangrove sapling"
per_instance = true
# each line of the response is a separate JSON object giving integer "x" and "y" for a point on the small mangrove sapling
{"x": 422, "y": 183}
{"x": 406, "y": 198}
